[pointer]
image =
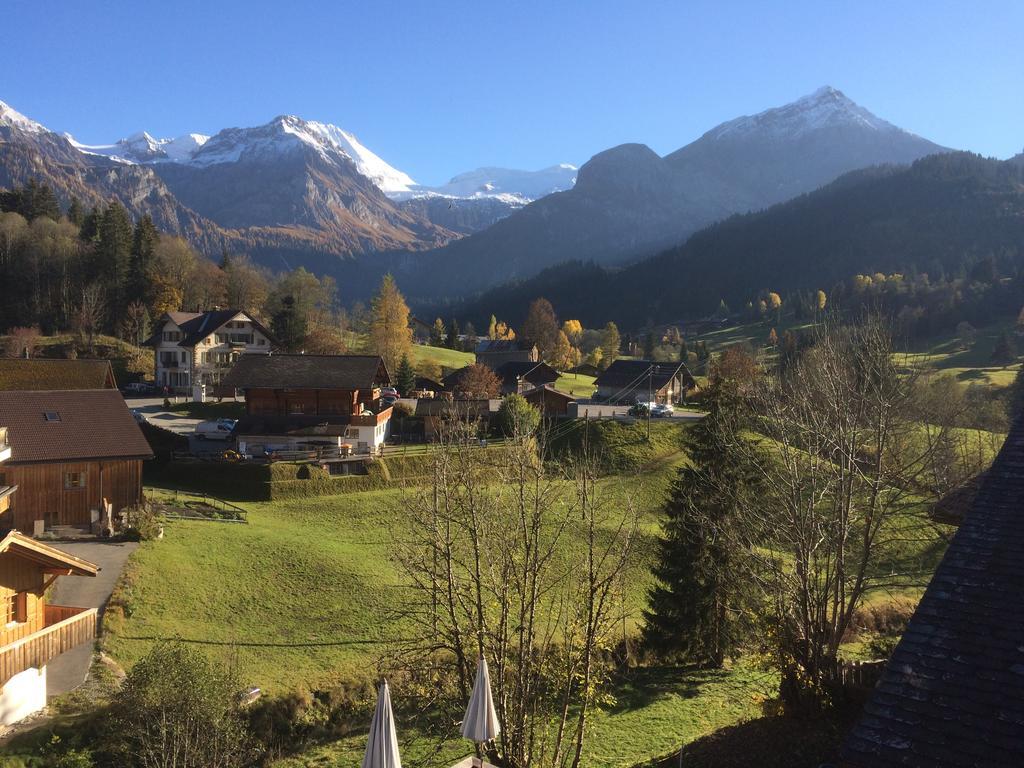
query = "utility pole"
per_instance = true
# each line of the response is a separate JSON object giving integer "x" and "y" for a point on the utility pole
{"x": 650, "y": 396}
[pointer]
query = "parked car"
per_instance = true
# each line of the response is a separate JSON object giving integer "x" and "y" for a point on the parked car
{"x": 662, "y": 410}
{"x": 639, "y": 411}
{"x": 138, "y": 388}
{"x": 213, "y": 430}
{"x": 388, "y": 392}
{"x": 387, "y": 400}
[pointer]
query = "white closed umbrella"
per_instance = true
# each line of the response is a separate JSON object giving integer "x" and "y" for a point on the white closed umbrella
{"x": 382, "y": 748}
{"x": 481, "y": 721}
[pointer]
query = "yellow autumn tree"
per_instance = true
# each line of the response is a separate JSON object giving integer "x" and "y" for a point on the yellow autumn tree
{"x": 390, "y": 334}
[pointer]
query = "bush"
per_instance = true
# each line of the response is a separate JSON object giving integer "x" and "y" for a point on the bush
{"x": 517, "y": 418}
{"x": 141, "y": 523}
{"x": 175, "y": 702}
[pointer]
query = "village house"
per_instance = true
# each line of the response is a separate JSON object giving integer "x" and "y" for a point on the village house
{"x": 45, "y": 373}
{"x": 629, "y": 381}
{"x": 549, "y": 401}
{"x": 514, "y": 376}
{"x": 71, "y": 452}
{"x": 34, "y": 631}
{"x": 197, "y": 349}
{"x": 952, "y": 693}
{"x": 494, "y": 353}
{"x": 436, "y": 412}
{"x": 298, "y": 401}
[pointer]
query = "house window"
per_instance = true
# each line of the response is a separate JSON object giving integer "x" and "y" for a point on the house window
{"x": 74, "y": 480}
{"x": 17, "y": 608}
{"x": 51, "y": 415}
{"x": 295, "y": 408}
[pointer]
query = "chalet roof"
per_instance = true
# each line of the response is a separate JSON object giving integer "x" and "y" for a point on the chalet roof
{"x": 533, "y": 373}
{"x": 293, "y": 426}
{"x": 630, "y": 375}
{"x": 547, "y": 392}
{"x": 18, "y": 544}
{"x": 84, "y": 424}
{"x": 422, "y": 382}
{"x": 45, "y": 373}
{"x": 274, "y": 371}
{"x": 460, "y": 408}
{"x": 501, "y": 346}
{"x": 196, "y": 326}
{"x": 953, "y": 691}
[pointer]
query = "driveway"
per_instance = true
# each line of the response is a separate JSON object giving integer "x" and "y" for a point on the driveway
{"x": 606, "y": 411}
{"x": 156, "y": 414}
{"x": 69, "y": 670}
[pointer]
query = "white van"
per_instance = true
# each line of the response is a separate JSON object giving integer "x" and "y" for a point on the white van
{"x": 213, "y": 430}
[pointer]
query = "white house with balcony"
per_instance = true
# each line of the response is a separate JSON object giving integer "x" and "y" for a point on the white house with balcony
{"x": 199, "y": 348}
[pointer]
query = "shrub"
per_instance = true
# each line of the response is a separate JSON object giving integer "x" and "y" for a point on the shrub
{"x": 177, "y": 708}
{"x": 141, "y": 523}
{"x": 516, "y": 417}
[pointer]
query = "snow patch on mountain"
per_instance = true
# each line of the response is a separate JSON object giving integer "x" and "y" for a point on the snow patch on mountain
{"x": 11, "y": 117}
{"x": 142, "y": 148}
{"x": 824, "y": 108}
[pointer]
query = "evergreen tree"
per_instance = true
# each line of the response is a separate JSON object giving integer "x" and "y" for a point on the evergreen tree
{"x": 405, "y": 377}
{"x": 76, "y": 213}
{"x": 39, "y": 200}
{"x": 144, "y": 240}
{"x": 90, "y": 229}
{"x": 225, "y": 258}
{"x": 289, "y": 325}
{"x": 649, "y": 346}
{"x": 695, "y": 609}
{"x": 113, "y": 253}
{"x": 453, "y": 334}
{"x": 1005, "y": 351}
{"x": 684, "y": 352}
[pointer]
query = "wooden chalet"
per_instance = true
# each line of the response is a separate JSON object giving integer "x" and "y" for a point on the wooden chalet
{"x": 288, "y": 396}
{"x": 70, "y": 453}
{"x": 629, "y": 381}
{"x": 34, "y": 630}
{"x": 952, "y": 693}
{"x": 45, "y": 373}
{"x": 436, "y": 412}
{"x": 549, "y": 401}
{"x": 494, "y": 353}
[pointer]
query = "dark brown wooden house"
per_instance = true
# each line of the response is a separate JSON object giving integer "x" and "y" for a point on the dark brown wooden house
{"x": 308, "y": 385}
{"x": 549, "y": 401}
{"x": 33, "y": 630}
{"x": 71, "y": 451}
{"x": 43, "y": 373}
{"x": 952, "y": 694}
{"x": 629, "y": 381}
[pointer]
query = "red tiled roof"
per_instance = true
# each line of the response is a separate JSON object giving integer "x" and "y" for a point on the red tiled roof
{"x": 89, "y": 424}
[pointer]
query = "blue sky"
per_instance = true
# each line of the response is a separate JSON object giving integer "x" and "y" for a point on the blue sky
{"x": 439, "y": 87}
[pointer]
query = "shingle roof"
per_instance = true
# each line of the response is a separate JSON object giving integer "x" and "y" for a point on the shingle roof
{"x": 307, "y": 372}
{"x": 500, "y": 346}
{"x": 546, "y": 392}
{"x": 196, "y": 326}
{"x": 633, "y": 375}
{"x": 90, "y": 424}
{"x": 43, "y": 373}
{"x": 533, "y": 373}
{"x": 953, "y": 691}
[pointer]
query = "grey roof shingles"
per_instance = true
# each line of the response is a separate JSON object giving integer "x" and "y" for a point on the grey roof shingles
{"x": 275, "y": 371}
{"x": 633, "y": 374}
{"x": 952, "y": 694}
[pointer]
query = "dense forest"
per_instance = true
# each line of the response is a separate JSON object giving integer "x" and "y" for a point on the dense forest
{"x": 949, "y": 230}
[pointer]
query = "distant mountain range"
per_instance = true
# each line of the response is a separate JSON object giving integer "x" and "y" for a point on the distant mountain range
{"x": 628, "y": 202}
{"x": 942, "y": 215}
{"x": 296, "y": 192}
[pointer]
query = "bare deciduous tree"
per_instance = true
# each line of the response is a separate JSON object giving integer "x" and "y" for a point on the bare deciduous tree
{"x": 508, "y": 562}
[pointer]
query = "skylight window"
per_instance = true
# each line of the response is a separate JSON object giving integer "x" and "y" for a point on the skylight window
{"x": 51, "y": 415}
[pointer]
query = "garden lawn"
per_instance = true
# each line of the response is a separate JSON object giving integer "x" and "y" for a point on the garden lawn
{"x": 302, "y": 595}
{"x": 654, "y": 711}
{"x": 575, "y": 385}
{"x": 446, "y": 358}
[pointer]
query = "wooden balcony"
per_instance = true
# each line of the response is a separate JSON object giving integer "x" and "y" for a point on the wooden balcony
{"x": 65, "y": 628}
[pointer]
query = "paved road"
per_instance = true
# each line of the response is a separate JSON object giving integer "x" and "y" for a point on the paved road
{"x": 69, "y": 670}
{"x": 153, "y": 408}
{"x": 605, "y": 411}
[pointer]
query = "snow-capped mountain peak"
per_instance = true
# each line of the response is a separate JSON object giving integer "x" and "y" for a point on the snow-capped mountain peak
{"x": 826, "y": 107}
{"x": 142, "y": 148}
{"x": 11, "y": 117}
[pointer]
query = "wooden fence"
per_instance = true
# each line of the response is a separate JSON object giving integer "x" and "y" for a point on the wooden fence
{"x": 72, "y": 627}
